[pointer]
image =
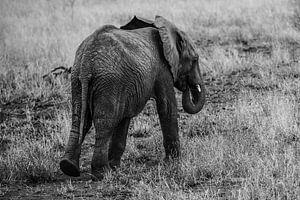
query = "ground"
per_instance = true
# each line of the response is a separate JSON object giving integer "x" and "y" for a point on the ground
{"x": 244, "y": 144}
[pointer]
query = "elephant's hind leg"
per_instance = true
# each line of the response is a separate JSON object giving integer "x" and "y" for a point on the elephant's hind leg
{"x": 104, "y": 130}
{"x": 70, "y": 162}
{"x": 69, "y": 167}
{"x": 118, "y": 143}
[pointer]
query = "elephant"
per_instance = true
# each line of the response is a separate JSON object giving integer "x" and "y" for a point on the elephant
{"x": 115, "y": 72}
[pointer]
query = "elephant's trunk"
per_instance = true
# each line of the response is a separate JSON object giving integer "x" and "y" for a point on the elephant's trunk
{"x": 193, "y": 98}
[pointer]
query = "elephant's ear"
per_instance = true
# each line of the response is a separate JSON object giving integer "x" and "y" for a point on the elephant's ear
{"x": 138, "y": 22}
{"x": 173, "y": 43}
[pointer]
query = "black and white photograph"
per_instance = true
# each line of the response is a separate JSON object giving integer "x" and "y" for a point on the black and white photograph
{"x": 150, "y": 99}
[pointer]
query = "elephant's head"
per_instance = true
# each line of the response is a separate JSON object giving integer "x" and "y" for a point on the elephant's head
{"x": 183, "y": 60}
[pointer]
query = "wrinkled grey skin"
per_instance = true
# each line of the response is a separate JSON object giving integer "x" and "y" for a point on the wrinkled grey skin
{"x": 115, "y": 73}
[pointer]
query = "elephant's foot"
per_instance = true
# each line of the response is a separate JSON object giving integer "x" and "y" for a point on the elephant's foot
{"x": 99, "y": 171}
{"x": 172, "y": 150}
{"x": 114, "y": 164}
{"x": 171, "y": 159}
{"x": 175, "y": 156}
{"x": 98, "y": 175}
{"x": 69, "y": 168}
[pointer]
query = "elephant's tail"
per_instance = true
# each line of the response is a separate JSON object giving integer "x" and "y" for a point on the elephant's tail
{"x": 84, "y": 97}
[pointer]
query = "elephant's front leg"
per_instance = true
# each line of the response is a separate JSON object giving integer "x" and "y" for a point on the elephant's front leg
{"x": 118, "y": 143}
{"x": 167, "y": 111}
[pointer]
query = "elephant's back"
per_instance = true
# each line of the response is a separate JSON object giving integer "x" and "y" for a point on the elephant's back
{"x": 123, "y": 64}
{"x": 110, "y": 49}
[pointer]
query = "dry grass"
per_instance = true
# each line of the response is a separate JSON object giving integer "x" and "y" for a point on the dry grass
{"x": 244, "y": 144}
